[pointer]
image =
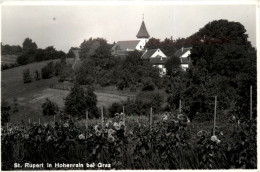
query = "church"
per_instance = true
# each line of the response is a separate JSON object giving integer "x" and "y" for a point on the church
{"x": 154, "y": 56}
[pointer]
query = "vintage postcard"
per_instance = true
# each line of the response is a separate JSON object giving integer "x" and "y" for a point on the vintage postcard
{"x": 129, "y": 85}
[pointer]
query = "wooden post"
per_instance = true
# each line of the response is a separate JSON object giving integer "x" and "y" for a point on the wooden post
{"x": 124, "y": 115}
{"x": 151, "y": 118}
{"x": 102, "y": 120}
{"x": 215, "y": 113}
{"x": 251, "y": 103}
{"x": 180, "y": 106}
{"x": 86, "y": 120}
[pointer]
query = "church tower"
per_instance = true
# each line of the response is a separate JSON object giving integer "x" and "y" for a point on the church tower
{"x": 143, "y": 34}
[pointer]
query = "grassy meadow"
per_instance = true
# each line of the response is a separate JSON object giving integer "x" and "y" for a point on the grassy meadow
{"x": 31, "y": 96}
{"x": 6, "y": 59}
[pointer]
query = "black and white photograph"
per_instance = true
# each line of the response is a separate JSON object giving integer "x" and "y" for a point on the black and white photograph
{"x": 129, "y": 85}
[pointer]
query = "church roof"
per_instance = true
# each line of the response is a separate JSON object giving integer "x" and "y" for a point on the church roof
{"x": 143, "y": 32}
{"x": 124, "y": 45}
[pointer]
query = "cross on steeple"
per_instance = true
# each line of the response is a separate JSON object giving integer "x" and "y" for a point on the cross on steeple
{"x": 143, "y": 17}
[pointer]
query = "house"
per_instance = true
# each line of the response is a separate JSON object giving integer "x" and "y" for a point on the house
{"x": 184, "y": 54}
{"x": 122, "y": 48}
{"x": 157, "y": 58}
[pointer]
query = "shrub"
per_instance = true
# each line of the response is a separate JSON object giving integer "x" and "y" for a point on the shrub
{"x": 5, "y": 115}
{"x": 79, "y": 101}
{"x": 49, "y": 108}
{"x": 115, "y": 108}
{"x": 37, "y": 75}
{"x": 148, "y": 84}
{"x": 48, "y": 71}
{"x": 27, "y": 78}
{"x": 8, "y": 66}
{"x": 146, "y": 100}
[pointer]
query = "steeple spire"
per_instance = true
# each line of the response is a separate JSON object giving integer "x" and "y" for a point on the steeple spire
{"x": 143, "y": 33}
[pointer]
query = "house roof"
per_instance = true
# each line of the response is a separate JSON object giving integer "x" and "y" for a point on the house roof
{"x": 143, "y": 32}
{"x": 124, "y": 45}
{"x": 185, "y": 60}
{"x": 182, "y": 51}
{"x": 148, "y": 53}
{"x": 158, "y": 60}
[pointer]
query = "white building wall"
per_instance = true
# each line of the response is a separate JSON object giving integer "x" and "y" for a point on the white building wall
{"x": 186, "y": 54}
{"x": 141, "y": 44}
{"x": 184, "y": 66}
{"x": 158, "y": 52}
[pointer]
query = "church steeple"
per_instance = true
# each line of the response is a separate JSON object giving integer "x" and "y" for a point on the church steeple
{"x": 143, "y": 31}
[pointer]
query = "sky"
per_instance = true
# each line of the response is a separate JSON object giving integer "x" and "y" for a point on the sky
{"x": 67, "y": 26}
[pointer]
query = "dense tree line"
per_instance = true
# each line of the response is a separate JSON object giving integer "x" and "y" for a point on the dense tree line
{"x": 223, "y": 65}
{"x": 11, "y": 49}
{"x": 31, "y": 53}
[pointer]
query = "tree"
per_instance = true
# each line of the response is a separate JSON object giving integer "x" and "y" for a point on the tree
{"x": 28, "y": 44}
{"x": 153, "y": 43}
{"x": 85, "y": 74}
{"x": 27, "y": 78}
{"x": 5, "y": 112}
{"x": 81, "y": 100}
{"x": 224, "y": 64}
{"x": 173, "y": 66}
{"x": 49, "y": 108}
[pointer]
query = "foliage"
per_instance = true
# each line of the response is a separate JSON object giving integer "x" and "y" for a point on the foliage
{"x": 172, "y": 66}
{"x": 223, "y": 65}
{"x": 148, "y": 84}
{"x": 32, "y": 54}
{"x": 49, "y": 108}
{"x": 132, "y": 144}
{"x": 27, "y": 78}
{"x": 37, "y": 75}
{"x": 84, "y": 75}
{"x": 5, "y": 112}
{"x": 115, "y": 108}
{"x": 8, "y": 66}
{"x": 134, "y": 71}
{"x": 11, "y": 49}
{"x": 175, "y": 90}
{"x": 48, "y": 71}
{"x": 146, "y": 100}
{"x": 26, "y": 58}
{"x": 81, "y": 100}
{"x": 28, "y": 44}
